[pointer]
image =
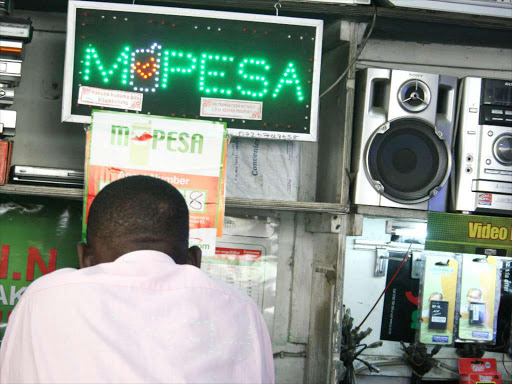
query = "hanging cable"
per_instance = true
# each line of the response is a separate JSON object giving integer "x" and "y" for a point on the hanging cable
{"x": 358, "y": 53}
{"x": 385, "y": 289}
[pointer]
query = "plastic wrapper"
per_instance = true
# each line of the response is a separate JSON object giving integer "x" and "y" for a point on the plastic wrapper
{"x": 246, "y": 258}
{"x": 263, "y": 169}
{"x": 479, "y": 298}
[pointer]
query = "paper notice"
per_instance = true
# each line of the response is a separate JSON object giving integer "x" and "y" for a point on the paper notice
{"x": 263, "y": 169}
{"x": 99, "y": 97}
{"x": 232, "y": 109}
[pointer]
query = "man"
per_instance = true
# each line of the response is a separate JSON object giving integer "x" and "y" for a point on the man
{"x": 140, "y": 309}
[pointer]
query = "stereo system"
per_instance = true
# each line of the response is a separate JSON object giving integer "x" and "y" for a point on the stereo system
{"x": 403, "y": 128}
{"x": 484, "y": 152}
{"x": 404, "y": 140}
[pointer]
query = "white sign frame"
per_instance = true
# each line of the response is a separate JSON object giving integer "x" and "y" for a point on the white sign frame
{"x": 73, "y": 5}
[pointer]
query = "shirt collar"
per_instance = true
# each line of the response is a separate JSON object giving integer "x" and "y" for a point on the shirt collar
{"x": 146, "y": 255}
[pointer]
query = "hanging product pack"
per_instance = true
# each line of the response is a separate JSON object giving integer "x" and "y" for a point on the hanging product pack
{"x": 438, "y": 293}
{"x": 478, "y": 299}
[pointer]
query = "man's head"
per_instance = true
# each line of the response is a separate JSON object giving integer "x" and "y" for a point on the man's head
{"x": 137, "y": 213}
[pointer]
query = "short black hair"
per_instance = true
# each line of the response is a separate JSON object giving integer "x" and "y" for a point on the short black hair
{"x": 135, "y": 212}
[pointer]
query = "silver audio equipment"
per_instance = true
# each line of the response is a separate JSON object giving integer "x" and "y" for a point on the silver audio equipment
{"x": 10, "y": 71}
{"x": 7, "y": 122}
{"x": 484, "y": 158}
{"x": 50, "y": 176}
{"x": 6, "y": 95}
{"x": 403, "y": 127}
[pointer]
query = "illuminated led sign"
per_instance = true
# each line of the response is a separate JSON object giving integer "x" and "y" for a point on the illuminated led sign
{"x": 259, "y": 74}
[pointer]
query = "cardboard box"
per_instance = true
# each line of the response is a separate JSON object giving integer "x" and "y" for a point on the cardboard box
{"x": 478, "y": 371}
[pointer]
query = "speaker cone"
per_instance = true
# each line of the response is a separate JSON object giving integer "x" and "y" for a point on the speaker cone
{"x": 407, "y": 161}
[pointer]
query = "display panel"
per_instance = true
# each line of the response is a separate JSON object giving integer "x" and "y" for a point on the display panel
{"x": 259, "y": 74}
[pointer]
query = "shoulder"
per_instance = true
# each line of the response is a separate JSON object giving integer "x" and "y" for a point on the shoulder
{"x": 50, "y": 280}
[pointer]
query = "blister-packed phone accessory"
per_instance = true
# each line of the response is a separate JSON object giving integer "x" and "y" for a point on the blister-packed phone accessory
{"x": 438, "y": 297}
{"x": 438, "y": 318}
{"x": 478, "y": 299}
{"x": 478, "y": 371}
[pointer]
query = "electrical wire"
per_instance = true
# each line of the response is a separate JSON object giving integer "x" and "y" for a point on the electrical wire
{"x": 385, "y": 363}
{"x": 358, "y": 53}
{"x": 385, "y": 289}
{"x": 503, "y": 362}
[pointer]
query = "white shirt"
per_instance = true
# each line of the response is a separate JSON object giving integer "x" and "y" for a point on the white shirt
{"x": 139, "y": 319}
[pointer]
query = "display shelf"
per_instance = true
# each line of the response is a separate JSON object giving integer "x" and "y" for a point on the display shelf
{"x": 277, "y": 205}
{"x": 36, "y": 190}
{"x": 346, "y": 11}
{"x": 394, "y": 22}
{"x": 295, "y": 206}
{"x": 390, "y": 212}
{"x": 303, "y": 8}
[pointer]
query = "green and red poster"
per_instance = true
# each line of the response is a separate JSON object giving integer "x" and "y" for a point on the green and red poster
{"x": 475, "y": 234}
{"x": 189, "y": 154}
{"x": 37, "y": 236}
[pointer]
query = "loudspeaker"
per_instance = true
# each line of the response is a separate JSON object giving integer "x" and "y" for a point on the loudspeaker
{"x": 484, "y": 157}
{"x": 403, "y": 128}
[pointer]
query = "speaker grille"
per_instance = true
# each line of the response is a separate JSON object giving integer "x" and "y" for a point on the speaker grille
{"x": 408, "y": 160}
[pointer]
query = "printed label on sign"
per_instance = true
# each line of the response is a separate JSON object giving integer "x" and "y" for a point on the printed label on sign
{"x": 485, "y": 199}
{"x": 438, "y": 319}
{"x": 232, "y": 109}
{"x": 480, "y": 335}
{"x": 109, "y": 98}
{"x": 441, "y": 339}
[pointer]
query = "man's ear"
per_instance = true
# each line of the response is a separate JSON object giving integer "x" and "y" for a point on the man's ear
{"x": 85, "y": 256}
{"x": 194, "y": 256}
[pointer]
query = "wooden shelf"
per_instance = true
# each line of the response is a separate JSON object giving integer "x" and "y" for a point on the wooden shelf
{"x": 36, "y": 190}
{"x": 277, "y": 205}
{"x": 390, "y": 212}
{"x": 295, "y": 206}
{"x": 326, "y": 11}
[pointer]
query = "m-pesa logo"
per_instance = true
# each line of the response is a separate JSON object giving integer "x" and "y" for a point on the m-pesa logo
{"x": 145, "y": 139}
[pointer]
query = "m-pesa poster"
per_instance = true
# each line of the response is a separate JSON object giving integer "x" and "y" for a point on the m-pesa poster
{"x": 189, "y": 154}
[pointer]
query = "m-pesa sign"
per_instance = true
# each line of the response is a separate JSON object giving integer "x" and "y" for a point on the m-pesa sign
{"x": 259, "y": 74}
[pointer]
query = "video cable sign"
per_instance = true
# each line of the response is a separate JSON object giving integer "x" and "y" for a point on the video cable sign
{"x": 259, "y": 74}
